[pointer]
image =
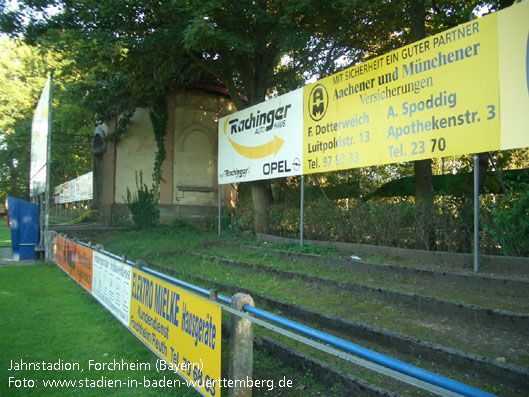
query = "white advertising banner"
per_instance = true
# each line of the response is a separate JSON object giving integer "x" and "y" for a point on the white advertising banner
{"x": 39, "y": 143}
{"x": 111, "y": 285}
{"x": 86, "y": 186}
{"x": 263, "y": 141}
{"x": 78, "y": 189}
{"x": 75, "y": 188}
{"x": 65, "y": 193}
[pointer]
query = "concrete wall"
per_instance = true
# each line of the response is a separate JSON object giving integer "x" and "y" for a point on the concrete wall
{"x": 134, "y": 153}
{"x": 195, "y": 137}
{"x": 195, "y": 154}
{"x": 488, "y": 263}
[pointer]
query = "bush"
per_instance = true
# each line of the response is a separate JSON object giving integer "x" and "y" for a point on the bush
{"x": 143, "y": 204}
{"x": 357, "y": 221}
{"x": 504, "y": 223}
{"x": 392, "y": 222}
{"x": 510, "y": 223}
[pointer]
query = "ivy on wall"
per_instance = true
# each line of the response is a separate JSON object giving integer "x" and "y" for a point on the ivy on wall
{"x": 143, "y": 203}
{"x": 159, "y": 118}
{"x": 122, "y": 126}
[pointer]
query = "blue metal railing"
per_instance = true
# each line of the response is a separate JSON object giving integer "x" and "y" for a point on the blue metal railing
{"x": 397, "y": 365}
{"x": 378, "y": 358}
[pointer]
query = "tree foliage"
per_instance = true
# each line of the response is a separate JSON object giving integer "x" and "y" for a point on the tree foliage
{"x": 126, "y": 54}
{"x": 23, "y": 72}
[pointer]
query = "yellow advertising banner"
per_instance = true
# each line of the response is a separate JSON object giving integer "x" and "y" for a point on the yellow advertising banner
{"x": 437, "y": 97}
{"x": 513, "y": 57}
{"x": 180, "y": 327}
{"x": 75, "y": 260}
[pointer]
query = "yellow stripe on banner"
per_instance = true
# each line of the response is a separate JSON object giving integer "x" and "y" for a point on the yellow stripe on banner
{"x": 258, "y": 152}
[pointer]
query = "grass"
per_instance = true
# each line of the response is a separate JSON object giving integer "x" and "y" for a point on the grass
{"x": 47, "y": 317}
{"x": 432, "y": 288}
{"x": 5, "y": 233}
{"x": 139, "y": 243}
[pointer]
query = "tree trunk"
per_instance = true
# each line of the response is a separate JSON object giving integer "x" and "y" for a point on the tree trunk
{"x": 262, "y": 200}
{"x": 262, "y": 196}
{"x": 424, "y": 204}
{"x": 422, "y": 168}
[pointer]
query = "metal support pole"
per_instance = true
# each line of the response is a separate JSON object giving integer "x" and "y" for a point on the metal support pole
{"x": 41, "y": 218}
{"x": 302, "y": 211}
{"x": 476, "y": 213}
{"x": 220, "y": 208}
{"x": 241, "y": 348}
{"x": 47, "y": 191}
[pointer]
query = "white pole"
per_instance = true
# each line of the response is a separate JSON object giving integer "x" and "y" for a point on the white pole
{"x": 47, "y": 254}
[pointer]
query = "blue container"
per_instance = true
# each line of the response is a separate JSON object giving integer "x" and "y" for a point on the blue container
{"x": 24, "y": 224}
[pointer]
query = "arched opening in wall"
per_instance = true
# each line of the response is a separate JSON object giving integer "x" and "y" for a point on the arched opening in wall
{"x": 195, "y": 164}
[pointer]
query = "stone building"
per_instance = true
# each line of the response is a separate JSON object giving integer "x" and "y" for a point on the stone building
{"x": 189, "y": 188}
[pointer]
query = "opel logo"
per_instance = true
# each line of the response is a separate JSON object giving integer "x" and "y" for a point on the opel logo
{"x": 296, "y": 164}
{"x": 318, "y": 102}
